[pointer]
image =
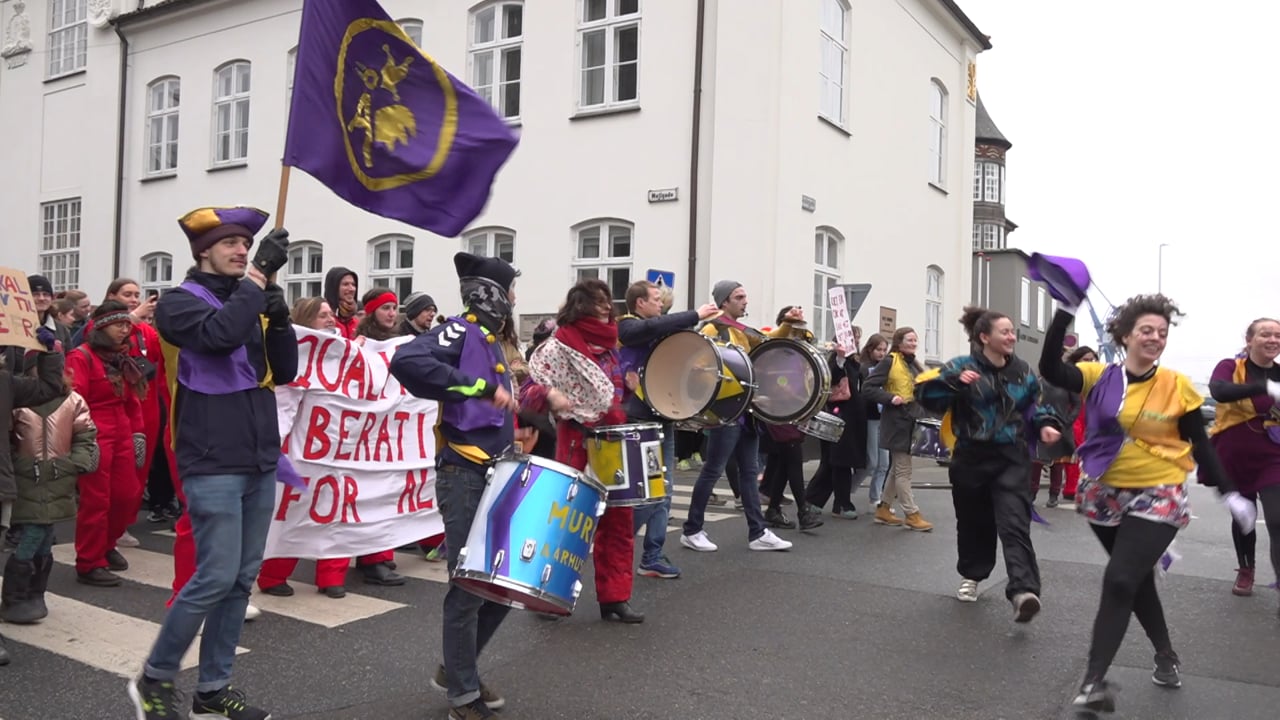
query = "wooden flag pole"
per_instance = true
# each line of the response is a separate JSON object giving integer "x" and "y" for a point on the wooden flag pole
{"x": 282, "y": 199}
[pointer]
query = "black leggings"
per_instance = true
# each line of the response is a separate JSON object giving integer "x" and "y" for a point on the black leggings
{"x": 1129, "y": 588}
{"x": 785, "y": 465}
{"x": 1247, "y": 545}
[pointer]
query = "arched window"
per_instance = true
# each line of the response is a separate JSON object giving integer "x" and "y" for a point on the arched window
{"x": 231, "y": 113}
{"x": 413, "y": 28}
{"x": 496, "y": 242}
{"x": 391, "y": 264}
{"x": 602, "y": 249}
{"x": 933, "y": 313}
{"x": 163, "y": 96}
{"x": 833, "y": 36}
{"x": 304, "y": 271}
{"x": 497, "y": 32}
{"x": 157, "y": 273}
{"x": 827, "y": 244}
{"x": 937, "y": 133}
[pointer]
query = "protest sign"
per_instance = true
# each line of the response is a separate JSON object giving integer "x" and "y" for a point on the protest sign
{"x": 18, "y": 316}
{"x": 364, "y": 448}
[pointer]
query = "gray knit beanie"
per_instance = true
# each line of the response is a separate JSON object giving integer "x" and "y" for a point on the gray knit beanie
{"x": 723, "y": 290}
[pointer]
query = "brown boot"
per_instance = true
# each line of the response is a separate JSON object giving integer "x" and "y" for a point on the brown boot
{"x": 915, "y": 522}
{"x": 1244, "y": 582}
{"x": 884, "y": 517}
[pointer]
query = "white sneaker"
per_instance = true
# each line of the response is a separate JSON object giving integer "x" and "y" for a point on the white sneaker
{"x": 251, "y": 613}
{"x": 968, "y": 591}
{"x": 699, "y": 542}
{"x": 769, "y": 541}
{"x": 127, "y": 540}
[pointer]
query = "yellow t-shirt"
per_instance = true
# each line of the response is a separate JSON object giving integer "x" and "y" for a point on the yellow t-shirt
{"x": 1153, "y": 453}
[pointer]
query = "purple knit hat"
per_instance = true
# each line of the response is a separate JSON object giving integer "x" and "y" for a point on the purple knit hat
{"x": 206, "y": 226}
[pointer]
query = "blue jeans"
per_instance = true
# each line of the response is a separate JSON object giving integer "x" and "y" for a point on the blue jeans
{"x": 34, "y": 541}
{"x": 877, "y": 461}
{"x": 229, "y": 515}
{"x": 741, "y": 442}
{"x": 469, "y": 620}
{"x": 654, "y": 517}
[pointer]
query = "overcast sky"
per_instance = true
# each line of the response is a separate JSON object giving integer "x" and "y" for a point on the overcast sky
{"x": 1141, "y": 122}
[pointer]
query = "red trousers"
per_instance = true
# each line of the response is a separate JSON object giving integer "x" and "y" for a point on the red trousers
{"x": 109, "y": 496}
{"x": 184, "y": 545}
{"x": 614, "y": 551}
{"x": 331, "y": 572}
{"x": 151, "y": 429}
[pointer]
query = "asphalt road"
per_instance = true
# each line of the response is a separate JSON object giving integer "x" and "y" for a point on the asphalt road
{"x": 857, "y": 621}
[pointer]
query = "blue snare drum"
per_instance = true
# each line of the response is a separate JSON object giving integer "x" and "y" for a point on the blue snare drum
{"x": 531, "y": 535}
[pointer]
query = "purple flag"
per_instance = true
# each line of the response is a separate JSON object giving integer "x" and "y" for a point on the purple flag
{"x": 384, "y": 126}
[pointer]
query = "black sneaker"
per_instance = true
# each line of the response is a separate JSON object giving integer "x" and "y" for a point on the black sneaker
{"x": 474, "y": 710}
{"x": 774, "y": 517}
{"x": 228, "y": 703}
{"x": 157, "y": 516}
{"x": 158, "y": 700}
{"x": 810, "y": 520}
{"x": 116, "y": 561}
{"x": 1167, "y": 672}
{"x": 1095, "y": 696}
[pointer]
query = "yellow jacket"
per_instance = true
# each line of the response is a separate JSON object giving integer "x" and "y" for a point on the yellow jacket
{"x": 900, "y": 381}
{"x": 749, "y": 338}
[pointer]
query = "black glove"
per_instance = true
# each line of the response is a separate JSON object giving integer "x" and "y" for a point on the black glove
{"x": 273, "y": 252}
{"x": 277, "y": 311}
{"x": 45, "y": 337}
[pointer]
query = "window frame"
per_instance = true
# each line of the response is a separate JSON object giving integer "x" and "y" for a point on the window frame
{"x": 1024, "y": 316}
{"x": 611, "y": 25}
{"x": 489, "y": 237}
{"x": 392, "y": 276}
{"x": 59, "y": 30}
{"x": 163, "y": 280}
{"x": 1042, "y": 317}
{"x": 606, "y": 262}
{"x": 992, "y": 185}
{"x": 290, "y": 69}
{"x": 416, "y": 24}
{"x": 296, "y": 284}
{"x": 66, "y": 277}
{"x": 233, "y": 100}
{"x": 841, "y": 44}
{"x": 496, "y": 50}
{"x": 938, "y": 133}
{"x": 934, "y": 291}
{"x": 827, "y": 270}
{"x": 164, "y": 116}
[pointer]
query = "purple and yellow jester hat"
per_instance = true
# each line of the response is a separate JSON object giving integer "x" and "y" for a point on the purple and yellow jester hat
{"x": 206, "y": 226}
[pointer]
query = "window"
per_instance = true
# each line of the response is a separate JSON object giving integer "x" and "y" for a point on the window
{"x": 834, "y": 40}
{"x": 937, "y": 134}
{"x": 391, "y": 264}
{"x": 231, "y": 113}
{"x": 157, "y": 272}
{"x": 290, "y": 69}
{"x": 162, "y": 126}
{"x": 1024, "y": 316}
{"x": 826, "y": 274}
{"x": 412, "y": 28}
{"x": 602, "y": 249}
{"x": 977, "y": 181}
{"x": 492, "y": 242}
{"x": 609, "y": 43}
{"x": 1042, "y": 309}
{"x": 68, "y": 36}
{"x": 60, "y": 243}
{"x": 496, "y": 32}
{"x": 991, "y": 182}
{"x": 933, "y": 313}
{"x": 987, "y": 236}
{"x": 304, "y": 271}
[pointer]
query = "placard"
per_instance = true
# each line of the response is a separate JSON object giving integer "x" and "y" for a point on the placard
{"x": 840, "y": 319}
{"x": 18, "y": 317}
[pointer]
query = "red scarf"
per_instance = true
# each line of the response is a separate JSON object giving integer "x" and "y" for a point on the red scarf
{"x": 589, "y": 336}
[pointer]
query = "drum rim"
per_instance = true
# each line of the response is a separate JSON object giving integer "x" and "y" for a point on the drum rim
{"x": 505, "y": 582}
{"x": 550, "y": 464}
{"x": 605, "y": 429}
{"x": 823, "y": 375}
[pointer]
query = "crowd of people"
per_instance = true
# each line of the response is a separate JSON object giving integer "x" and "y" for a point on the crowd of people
{"x": 165, "y": 405}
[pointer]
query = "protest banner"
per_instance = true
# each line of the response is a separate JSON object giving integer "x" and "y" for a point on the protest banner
{"x": 840, "y": 319}
{"x": 364, "y": 448}
{"x": 18, "y": 316}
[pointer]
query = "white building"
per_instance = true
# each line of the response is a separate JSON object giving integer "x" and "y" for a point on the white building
{"x": 834, "y": 144}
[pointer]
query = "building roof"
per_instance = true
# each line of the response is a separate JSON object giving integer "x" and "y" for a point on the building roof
{"x": 982, "y": 38}
{"x": 986, "y": 132}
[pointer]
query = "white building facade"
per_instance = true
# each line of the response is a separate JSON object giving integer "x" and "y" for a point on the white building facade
{"x": 834, "y": 144}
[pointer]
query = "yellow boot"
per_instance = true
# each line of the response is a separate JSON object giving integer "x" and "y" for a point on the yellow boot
{"x": 884, "y": 517}
{"x": 915, "y": 522}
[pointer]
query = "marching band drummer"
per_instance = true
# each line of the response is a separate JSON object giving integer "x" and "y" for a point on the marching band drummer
{"x": 578, "y": 376}
{"x": 460, "y": 363}
{"x": 638, "y": 331}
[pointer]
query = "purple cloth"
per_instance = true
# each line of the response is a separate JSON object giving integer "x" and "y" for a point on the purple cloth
{"x": 1250, "y": 458}
{"x": 1067, "y": 278}
{"x": 384, "y": 126}
{"x": 480, "y": 359}
{"x": 1103, "y": 434}
{"x": 214, "y": 374}
{"x": 287, "y": 474}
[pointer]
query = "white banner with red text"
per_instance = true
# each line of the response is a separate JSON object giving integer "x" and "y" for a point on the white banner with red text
{"x": 363, "y": 446}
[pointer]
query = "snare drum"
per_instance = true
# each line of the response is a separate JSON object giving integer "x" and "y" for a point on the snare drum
{"x": 824, "y": 426}
{"x": 693, "y": 379}
{"x": 627, "y": 460}
{"x": 531, "y": 535}
{"x": 926, "y": 440}
{"x": 793, "y": 381}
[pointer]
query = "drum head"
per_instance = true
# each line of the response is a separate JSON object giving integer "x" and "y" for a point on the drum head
{"x": 682, "y": 375}
{"x": 789, "y": 381}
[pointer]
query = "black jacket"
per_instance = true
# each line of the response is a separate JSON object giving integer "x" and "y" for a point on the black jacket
{"x": 232, "y": 434}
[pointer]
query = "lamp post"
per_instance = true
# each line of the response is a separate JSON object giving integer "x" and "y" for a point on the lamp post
{"x": 1160, "y": 268}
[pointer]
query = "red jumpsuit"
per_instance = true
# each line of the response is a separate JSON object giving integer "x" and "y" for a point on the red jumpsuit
{"x": 1073, "y": 468}
{"x": 110, "y": 495}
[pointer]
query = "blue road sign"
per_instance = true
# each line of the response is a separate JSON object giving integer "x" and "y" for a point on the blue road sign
{"x": 661, "y": 278}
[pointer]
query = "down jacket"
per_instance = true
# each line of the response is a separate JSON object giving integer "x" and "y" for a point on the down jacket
{"x": 53, "y": 444}
{"x": 17, "y": 391}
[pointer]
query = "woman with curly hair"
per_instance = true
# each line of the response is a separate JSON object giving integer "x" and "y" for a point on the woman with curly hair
{"x": 1143, "y": 435}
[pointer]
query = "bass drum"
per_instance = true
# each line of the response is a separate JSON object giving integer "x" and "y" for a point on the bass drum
{"x": 793, "y": 381}
{"x": 698, "y": 382}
